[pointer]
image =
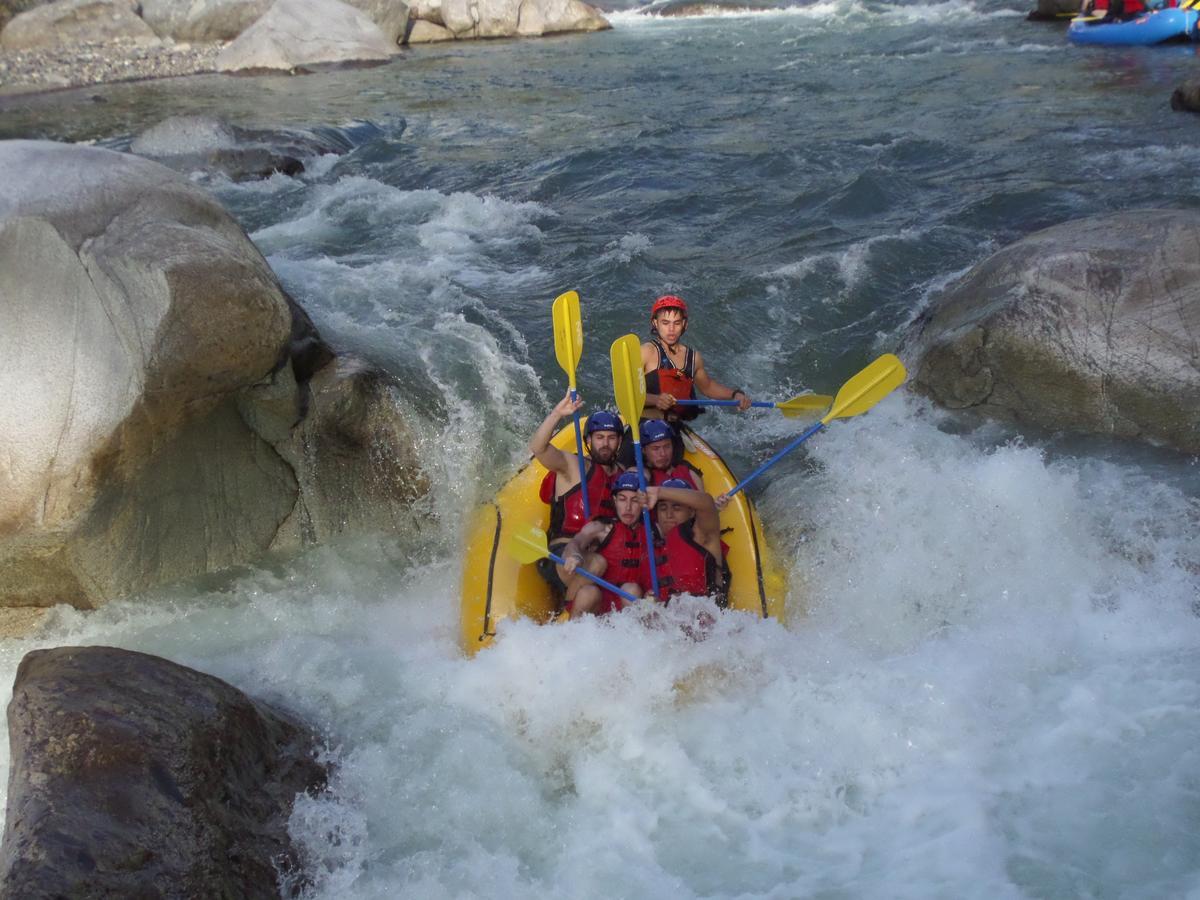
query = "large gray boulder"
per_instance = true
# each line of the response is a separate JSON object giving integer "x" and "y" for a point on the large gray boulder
{"x": 133, "y": 776}
{"x": 1090, "y": 326}
{"x": 518, "y": 18}
{"x": 202, "y": 20}
{"x": 65, "y": 23}
{"x": 295, "y": 35}
{"x": 10, "y": 8}
{"x": 156, "y": 388}
{"x": 390, "y": 15}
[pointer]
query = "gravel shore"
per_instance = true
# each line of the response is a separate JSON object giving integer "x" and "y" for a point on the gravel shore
{"x": 95, "y": 63}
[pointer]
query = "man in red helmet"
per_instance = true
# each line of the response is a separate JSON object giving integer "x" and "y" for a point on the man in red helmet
{"x": 674, "y": 371}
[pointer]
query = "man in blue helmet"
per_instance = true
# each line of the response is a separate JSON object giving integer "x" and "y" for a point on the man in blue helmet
{"x": 692, "y": 556}
{"x": 613, "y": 547}
{"x": 560, "y": 487}
{"x": 659, "y": 452}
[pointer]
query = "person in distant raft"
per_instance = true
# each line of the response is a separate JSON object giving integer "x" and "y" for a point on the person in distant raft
{"x": 560, "y": 487}
{"x": 692, "y": 558}
{"x": 674, "y": 371}
{"x": 614, "y": 548}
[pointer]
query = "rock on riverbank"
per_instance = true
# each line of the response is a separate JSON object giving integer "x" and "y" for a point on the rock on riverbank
{"x": 167, "y": 409}
{"x": 136, "y": 777}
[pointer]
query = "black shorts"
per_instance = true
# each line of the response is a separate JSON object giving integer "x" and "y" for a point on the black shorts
{"x": 548, "y": 569}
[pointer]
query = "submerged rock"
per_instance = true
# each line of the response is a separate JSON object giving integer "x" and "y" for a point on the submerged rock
{"x": 133, "y": 776}
{"x": 142, "y": 332}
{"x": 203, "y": 143}
{"x": 1186, "y": 97}
{"x": 1054, "y": 10}
{"x": 1089, "y": 326}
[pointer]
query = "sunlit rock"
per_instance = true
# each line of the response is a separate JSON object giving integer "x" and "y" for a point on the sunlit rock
{"x": 1089, "y": 326}
{"x": 64, "y": 23}
{"x": 423, "y": 32}
{"x": 296, "y": 34}
{"x": 133, "y": 776}
{"x": 158, "y": 386}
{"x": 511, "y": 18}
{"x": 202, "y": 20}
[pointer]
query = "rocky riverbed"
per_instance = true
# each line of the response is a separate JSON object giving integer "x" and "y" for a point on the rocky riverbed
{"x": 98, "y": 62}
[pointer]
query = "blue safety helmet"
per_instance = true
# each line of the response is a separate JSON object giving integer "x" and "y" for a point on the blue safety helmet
{"x": 603, "y": 420}
{"x": 656, "y": 430}
{"x": 626, "y": 481}
{"x": 678, "y": 483}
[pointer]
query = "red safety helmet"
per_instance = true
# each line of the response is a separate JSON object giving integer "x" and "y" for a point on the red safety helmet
{"x": 668, "y": 301}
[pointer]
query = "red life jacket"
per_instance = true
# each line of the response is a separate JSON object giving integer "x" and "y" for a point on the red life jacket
{"x": 566, "y": 512}
{"x": 687, "y": 568}
{"x": 669, "y": 379}
{"x": 624, "y": 549}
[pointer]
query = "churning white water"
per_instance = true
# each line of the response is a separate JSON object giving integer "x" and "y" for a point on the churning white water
{"x": 988, "y": 687}
{"x": 988, "y": 682}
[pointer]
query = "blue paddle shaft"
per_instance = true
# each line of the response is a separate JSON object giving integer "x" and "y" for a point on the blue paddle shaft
{"x": 637, "y": 454}
{"x": 587, "y": 509}
{"x": 596, "y": 578}
{"x": 777, "y": 457}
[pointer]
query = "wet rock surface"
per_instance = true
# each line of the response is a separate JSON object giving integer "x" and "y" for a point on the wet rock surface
{"x": 158, "y": 387}
{"x": 1091, "y": 326}
{"x": 133, "y": 776}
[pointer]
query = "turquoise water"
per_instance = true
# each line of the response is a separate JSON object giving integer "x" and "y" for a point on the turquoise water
{"x": 988, "y": 683}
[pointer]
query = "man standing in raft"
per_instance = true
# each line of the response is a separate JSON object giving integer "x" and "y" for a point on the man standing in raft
{"x": 612, "y": 547}
{"x": 674, "y": 371}
{"x": 692, "y": 560}
{"x": 560, "y": 487}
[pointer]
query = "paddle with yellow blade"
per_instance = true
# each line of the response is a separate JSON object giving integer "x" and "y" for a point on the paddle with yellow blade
{"x": 629, "y": 386}
{"x": 857, "y": 395}
{"x": 568, "y": 347}
{"x": 801, "y": 405}
{"x": 528, "y": 545}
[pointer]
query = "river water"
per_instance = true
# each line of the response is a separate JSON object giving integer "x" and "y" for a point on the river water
{"x": 988, "y": 682}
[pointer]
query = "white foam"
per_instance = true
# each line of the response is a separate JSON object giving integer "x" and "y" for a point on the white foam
{"x": 995, "y": 694}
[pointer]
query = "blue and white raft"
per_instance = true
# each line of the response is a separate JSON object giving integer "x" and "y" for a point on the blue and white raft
{"x": 1151, "y": 27}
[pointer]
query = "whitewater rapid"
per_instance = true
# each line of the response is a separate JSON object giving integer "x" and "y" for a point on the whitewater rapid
{"x": 987, "y": 683}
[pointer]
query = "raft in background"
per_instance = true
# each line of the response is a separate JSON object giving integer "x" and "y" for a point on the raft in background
{"x": 1155, "y": 27}
{"x": 495, "y": 586}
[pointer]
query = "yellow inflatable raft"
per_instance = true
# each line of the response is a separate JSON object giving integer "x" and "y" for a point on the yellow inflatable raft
{"x": 495, "y": 586}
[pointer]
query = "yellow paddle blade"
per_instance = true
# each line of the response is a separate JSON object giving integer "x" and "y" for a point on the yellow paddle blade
{"x": 804, "y": 405}
{"x": 629, "y": 381}
{"x": 568, "y": 333}
{"x": 867, "y": 388}
{"x": 528, "y": 544}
